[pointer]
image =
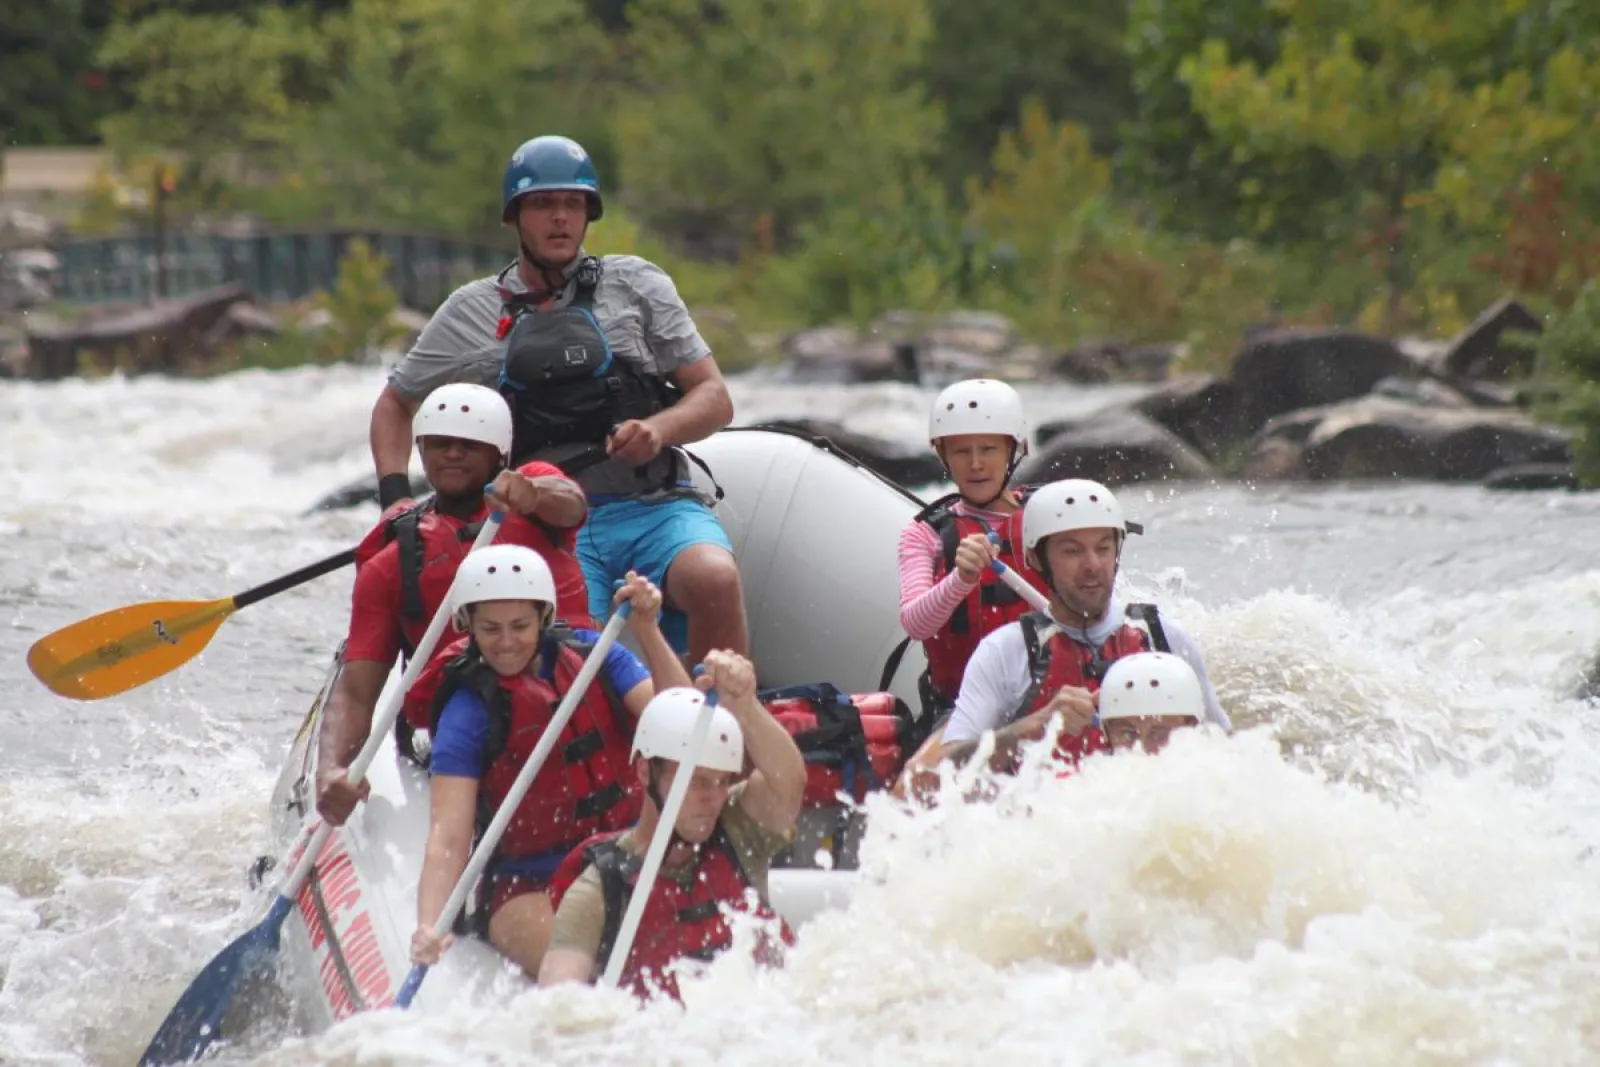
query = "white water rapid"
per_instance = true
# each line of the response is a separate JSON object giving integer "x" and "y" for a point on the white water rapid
{"x": 1393, "y": 860}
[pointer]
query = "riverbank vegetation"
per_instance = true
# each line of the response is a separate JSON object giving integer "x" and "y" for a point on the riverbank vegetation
{"x": 1147, "y": 170}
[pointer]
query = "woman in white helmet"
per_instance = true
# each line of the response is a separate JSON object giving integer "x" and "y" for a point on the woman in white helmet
{"x": 1041, "y": 668}
{"x": 950, "y": 599}
{"x": 404, "y": 567}
{"x": 723, "y": 842}
{"x": 488, "y": 698}
{"x": 1145, "y": 697}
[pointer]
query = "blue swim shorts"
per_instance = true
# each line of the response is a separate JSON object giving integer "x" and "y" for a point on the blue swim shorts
{"x": 625, "y": 535}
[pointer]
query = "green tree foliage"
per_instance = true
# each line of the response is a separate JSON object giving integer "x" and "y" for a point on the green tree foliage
{"x": 1569, "y": 364}
{"x": 50, "y": 91}
{"x": 1401, "y": 95}
{"x": 1192, "y": 179}
{"x": 435, "y": 96}
{"x": 775, "y": 109}
{"x": 1041, "y": 217}
{"x": 223, "y": 91}
{"x": 359, "y": 307}
{"x": 907, "y": 250}
{"x": 1068, "y": 262}
{"x": 985, "y": 59}
{"x": 1184, "y": 167}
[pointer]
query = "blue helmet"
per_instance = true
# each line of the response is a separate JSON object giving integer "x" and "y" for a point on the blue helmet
{"x": 550, "y": 163}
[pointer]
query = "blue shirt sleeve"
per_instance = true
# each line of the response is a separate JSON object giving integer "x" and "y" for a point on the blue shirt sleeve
{"x": 622, "y": 667}
{"x": 463, "y": 733}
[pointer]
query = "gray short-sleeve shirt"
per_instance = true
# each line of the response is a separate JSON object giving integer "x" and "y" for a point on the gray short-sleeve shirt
{"x": 636, "y": 304}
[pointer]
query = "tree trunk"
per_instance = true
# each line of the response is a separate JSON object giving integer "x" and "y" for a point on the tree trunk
{"x": 1395, "y": 273}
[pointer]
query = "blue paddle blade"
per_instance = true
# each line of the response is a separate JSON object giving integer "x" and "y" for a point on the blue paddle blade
{"x": 195, "y": 1021}
{"x": 408, "y": 988}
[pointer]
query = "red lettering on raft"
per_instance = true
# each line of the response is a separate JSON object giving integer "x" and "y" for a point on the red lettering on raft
{"x": 348, "y": 934}
{"x": 367, "y": 965}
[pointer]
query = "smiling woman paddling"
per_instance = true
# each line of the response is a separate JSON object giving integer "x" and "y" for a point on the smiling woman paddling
{"x": 491, "y": 695}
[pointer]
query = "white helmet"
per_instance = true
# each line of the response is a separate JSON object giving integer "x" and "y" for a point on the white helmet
{"x": 1074, "y": 504}
{"x": 502, "y": 572}
{"x": 979, "y": 405}
{"x": 1150, "y": 683}
{"x": 470, "y": 412}
{"x": 668, "y": 721}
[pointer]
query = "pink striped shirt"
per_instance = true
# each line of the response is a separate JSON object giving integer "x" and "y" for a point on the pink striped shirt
{"x": 925, "y": 606}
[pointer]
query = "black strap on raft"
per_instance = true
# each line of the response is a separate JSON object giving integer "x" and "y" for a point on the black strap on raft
{"x": 823, "y": 443}
{"x": 935, "y": 705}
{"x": 698, "y": 462}
{"x": 891, "y": 666}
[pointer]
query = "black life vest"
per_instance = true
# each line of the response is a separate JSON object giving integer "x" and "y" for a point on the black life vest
{"x": 568, "y": 389}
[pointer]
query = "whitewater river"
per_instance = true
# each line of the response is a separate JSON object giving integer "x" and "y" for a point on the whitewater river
{"x": 1393, "y": 861}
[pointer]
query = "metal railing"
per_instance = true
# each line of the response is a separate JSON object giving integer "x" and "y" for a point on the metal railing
{"x": 275, "y": 266}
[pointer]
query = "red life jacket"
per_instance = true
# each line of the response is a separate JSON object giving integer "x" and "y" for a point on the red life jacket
{"x": 678, "y": 922}
{"x": 431, "y": 546}
{"x": 1062, "y": 661}
{"x": 988, "y": 607}
{"x": 585, "y": 787}
{"x": 852, "y": 743}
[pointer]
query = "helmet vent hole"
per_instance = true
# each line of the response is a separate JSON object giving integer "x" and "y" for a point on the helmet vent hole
{"x": 1155, "y": 683}
{"x": 972, "y": 405}
{"x": 492, "y": 570}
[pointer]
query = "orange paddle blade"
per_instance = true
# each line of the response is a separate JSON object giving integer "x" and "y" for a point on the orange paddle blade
{"x": 117, "y": 650}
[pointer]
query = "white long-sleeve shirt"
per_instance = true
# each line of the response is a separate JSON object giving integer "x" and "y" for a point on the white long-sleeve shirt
{"x": 997, "y": 675}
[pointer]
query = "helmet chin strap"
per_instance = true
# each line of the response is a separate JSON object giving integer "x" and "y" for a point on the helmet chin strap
{"x": 553, "y": 275}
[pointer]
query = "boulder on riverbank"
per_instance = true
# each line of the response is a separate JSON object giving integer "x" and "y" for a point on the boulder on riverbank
{"x": 1381, "y": 437}
{"x": 1115, "y": 447}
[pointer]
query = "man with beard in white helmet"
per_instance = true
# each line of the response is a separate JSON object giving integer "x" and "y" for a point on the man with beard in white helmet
{"x": 1041, "y": 668}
